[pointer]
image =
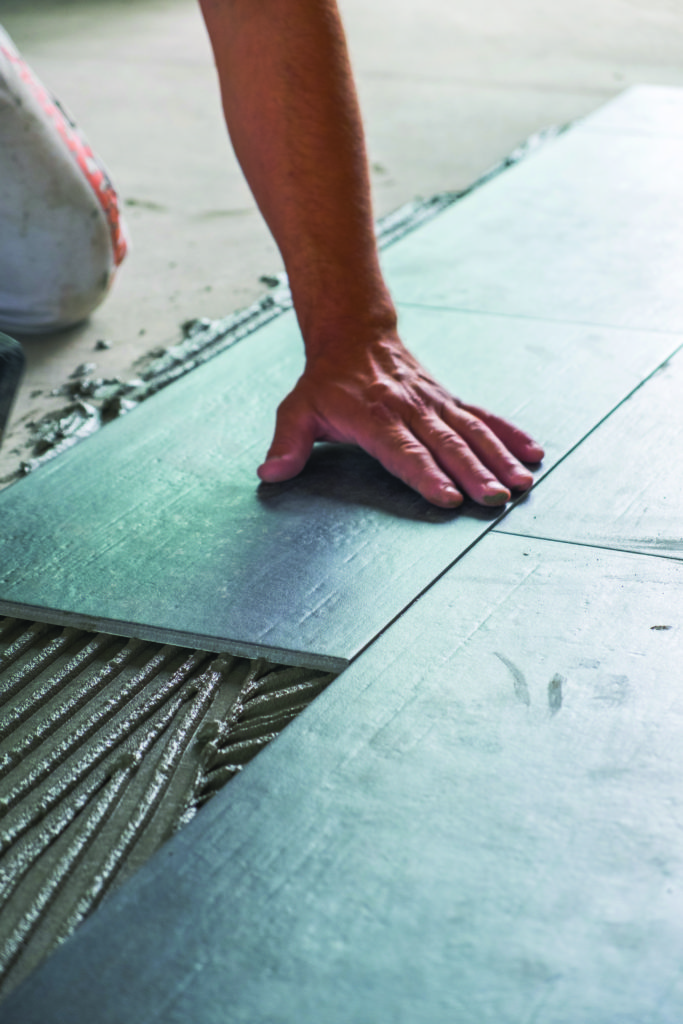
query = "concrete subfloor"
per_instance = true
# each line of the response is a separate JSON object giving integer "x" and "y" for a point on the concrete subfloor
{"x": 447, "y": 89}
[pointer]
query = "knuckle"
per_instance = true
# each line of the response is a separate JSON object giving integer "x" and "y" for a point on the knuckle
{"x": 380, "y": 412}
{"x": 381, "y": 391}
{"x": 408, "y": 446}
{"x": 420, "y": 405}
{"x": 478, "y": 430}
{"x": 450, "y": 443}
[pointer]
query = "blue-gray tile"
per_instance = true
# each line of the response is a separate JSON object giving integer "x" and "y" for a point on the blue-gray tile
{"x": 480, "y": 818}
{"x": 155, "y": 526}
{"x": 585, "y": 230}
{"x": 622, "y": 487}
{"x": 641, "y": 110}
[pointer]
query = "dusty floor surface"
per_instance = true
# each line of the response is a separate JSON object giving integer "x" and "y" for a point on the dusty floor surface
{"x": 447, "y": 89}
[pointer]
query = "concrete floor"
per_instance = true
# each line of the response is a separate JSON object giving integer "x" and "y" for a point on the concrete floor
{"x": 447, "y": 88}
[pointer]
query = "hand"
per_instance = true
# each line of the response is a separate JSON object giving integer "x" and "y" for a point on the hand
{"x": 299, "y": 139}
{"x": 381, "y": 399}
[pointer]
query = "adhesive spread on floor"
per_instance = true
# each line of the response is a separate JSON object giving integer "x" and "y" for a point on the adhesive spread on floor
{"x": 107, "y": 747}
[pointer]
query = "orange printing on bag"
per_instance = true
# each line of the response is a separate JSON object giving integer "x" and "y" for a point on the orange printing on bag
{"x": 86, "y": 159}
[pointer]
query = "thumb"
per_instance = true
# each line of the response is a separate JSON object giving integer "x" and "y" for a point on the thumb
{"x": 295, "y": 435}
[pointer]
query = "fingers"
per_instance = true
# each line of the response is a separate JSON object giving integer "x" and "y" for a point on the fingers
{"x": 403, "y": 455}
{"x": 481, "y": 467}
{"x": 441, "y": 459}
{"x": 440, "y": 447}
{"x": 383, "y": 436}
{"x": 427, "y": 450}
{"x": 477, "y": 453}
{"x": 295, "y": 434}
{"x": 519, "y": 443}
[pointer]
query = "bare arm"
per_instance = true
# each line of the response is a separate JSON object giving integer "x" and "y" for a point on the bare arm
{"x": 293, "y": 117}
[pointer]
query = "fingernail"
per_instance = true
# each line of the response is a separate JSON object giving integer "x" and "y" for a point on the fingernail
{"x": 496, "y": 498}
{"x": 450, "y": 495}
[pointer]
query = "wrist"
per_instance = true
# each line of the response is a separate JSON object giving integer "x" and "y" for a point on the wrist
{"x": 355, "y": 320}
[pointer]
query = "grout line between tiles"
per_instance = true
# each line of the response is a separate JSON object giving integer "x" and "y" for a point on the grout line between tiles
{"x": 535, "y": 319}
{"x": 424, "y": 590}
{"x": 587, "y": 544}
{"x": 493, "y": 527}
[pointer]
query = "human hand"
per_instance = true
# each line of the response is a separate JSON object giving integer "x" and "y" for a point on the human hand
{"x": 381, "y": 399}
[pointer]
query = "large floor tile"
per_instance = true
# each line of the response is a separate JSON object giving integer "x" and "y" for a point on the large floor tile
{"x": 641, "y": 110}
{"x": 155, "y": 527}
{"x": 622, "y": 488}
{"x": 585, "y": 230}
{"x": 479, "y": 821}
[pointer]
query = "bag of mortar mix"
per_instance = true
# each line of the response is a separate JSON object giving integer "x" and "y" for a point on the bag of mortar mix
{"x": 61, "y": 232}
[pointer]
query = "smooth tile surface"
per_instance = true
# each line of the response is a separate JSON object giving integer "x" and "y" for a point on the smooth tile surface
{"x": 155, "y": 527}
{"x": 622, "y": 488}
{"x": 585, "y": 230}
{"x": 479, "y": 821}
{"x": 641, "y": 110}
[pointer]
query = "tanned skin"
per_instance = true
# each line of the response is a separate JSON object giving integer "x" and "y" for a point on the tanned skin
{"x": 293, "y": 117}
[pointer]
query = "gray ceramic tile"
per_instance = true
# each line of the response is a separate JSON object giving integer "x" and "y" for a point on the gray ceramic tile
{"x": 622, "y": 488}
{"x": 155, "y": 527}
{"x": 586, "y": 230}
{"x": 641, "y": 110}
{"x": 481, "y": 817}
{"x": 552, "y": 379}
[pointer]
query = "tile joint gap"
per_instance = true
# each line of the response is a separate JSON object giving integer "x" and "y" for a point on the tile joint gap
{"x": 424, "y": 590}
{"x": 493, "y": 527}
{"x": 595, "y": 427}
{"x": 586, "y": 544}
{"x": 440, "y": 308}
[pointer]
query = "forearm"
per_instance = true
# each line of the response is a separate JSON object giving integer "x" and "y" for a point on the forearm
{"x": 294, "y": 121}
{"x": 293, "y": 117}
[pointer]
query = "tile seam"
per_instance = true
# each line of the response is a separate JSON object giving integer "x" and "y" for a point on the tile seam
{"x": 587, "y": 544}
{"x": 493, "y": 527}
{"x": 401, "y": 304}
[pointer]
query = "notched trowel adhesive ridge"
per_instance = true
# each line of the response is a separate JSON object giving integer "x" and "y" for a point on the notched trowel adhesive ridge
{"x": 107, "y": 747}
